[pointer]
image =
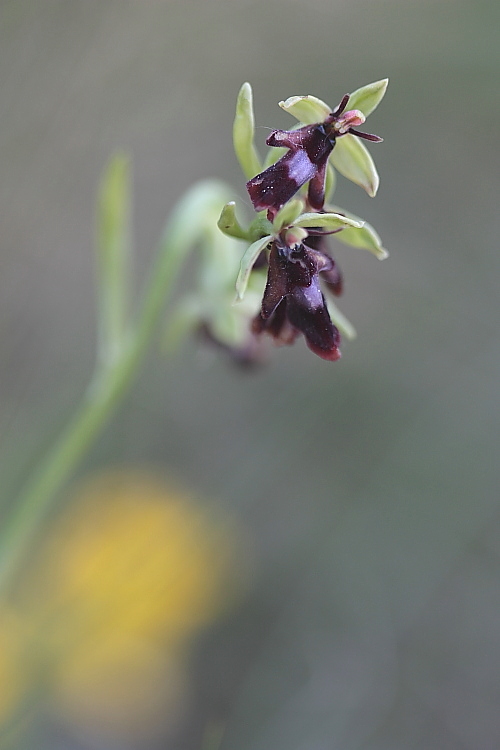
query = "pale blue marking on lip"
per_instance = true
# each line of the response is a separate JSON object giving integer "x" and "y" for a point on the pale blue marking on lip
{"x": 300, "y": 167}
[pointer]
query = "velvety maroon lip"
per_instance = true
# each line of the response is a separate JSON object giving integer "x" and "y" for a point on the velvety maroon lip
{"x": 293, "y": 302}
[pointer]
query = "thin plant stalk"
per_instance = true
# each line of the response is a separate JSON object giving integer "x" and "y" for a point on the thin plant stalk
{"x": 113, "y": 376}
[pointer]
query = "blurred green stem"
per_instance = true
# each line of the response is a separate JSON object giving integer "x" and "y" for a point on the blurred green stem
{"x": 114, "y": 374}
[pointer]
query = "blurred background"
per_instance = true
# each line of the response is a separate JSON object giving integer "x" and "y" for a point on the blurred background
{"x": 350, "y": 512}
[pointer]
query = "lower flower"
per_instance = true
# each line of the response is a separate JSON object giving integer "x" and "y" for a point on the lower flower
{"x": 293, "y": 302}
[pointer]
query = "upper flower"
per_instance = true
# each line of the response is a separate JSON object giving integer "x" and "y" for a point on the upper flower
{"x": 310, "y": 147}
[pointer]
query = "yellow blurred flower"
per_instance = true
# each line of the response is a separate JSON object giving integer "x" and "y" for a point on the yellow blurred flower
{"x": 126, "y": 577}
{"x": 121, "y": 686}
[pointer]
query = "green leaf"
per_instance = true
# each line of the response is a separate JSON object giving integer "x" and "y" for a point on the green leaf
{"x": 306, "y": 109}
{"x": 247, "y": 262}
{"x": 367, "y": 98}
{"x": 364, "y": 237}
{"x": 353, "y": 160}
{"x": 229, "y": 224}
{"x": 345, "y": 327}
{"x": 330, "y": 221}
{"x": 113, "y": 254}
{"x": 243, "y": 133}
{"x": 288, "y": 213}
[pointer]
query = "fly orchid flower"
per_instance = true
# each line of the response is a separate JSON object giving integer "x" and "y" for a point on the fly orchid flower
{"x": 293, "y": 302}
{"x": 310, "y": 146}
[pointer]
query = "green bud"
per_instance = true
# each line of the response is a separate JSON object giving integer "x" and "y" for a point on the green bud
{"x": 295, "y": 235}
{"x": 259, "y": 227}
{"x": 353, "y": 160}
{"x": 288, "y": 213}
{"x": 243, "y": 133}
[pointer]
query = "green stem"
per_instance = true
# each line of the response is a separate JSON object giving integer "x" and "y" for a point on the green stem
{"x": 111, "y": 381}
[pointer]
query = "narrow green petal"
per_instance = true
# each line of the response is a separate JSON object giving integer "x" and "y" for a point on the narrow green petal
{"x": 345, "y": 327}
{"x": 229, "y": 224}
{"x": 365, "y": 237}
{"x": 306, "y": 109}
{"x": 367, "y": 98}
{"x": 329, "y": 220}
{"x": 243, "y": 133}
{"x": 247, "y": 262}
{"x": 353, "y": 160}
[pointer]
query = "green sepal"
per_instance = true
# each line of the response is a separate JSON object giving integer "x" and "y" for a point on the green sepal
{"x": 364, "y": 237}
{"x": 243, "y": 133}
{"x": 288, "y": 214}
{"x": 247, "y": 262}
{"x": 329, "y": 221}
{"x": 306, "y": 109}
{"x": 353, "y": 160}
{"x": 367, "y": 98}
{"x": 339, "y": 320}
{"x": 229, "y": 224}
{"x": 113, "y": 254}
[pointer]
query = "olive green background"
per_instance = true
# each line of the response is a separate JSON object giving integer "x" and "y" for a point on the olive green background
{"x": 369, "y": 488}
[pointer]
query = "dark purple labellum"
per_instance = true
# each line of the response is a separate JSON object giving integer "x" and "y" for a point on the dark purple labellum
{"x": 332, "y": 275}
{"x": 293, "y": 302}
{"x": 306, "y": 160}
